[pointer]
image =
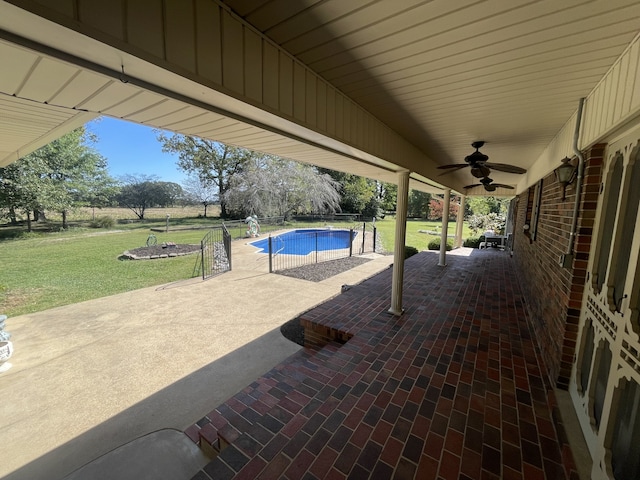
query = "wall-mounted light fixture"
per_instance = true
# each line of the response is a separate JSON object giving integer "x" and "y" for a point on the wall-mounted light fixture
{"x": 565, "y": 174}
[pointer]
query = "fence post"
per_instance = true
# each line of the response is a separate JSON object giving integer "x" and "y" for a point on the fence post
{"x": 226, "y": 238}
{"x": 270, "y": 257}
{"x": 364, "y": 227}
{"x": 316, "y": 247}
{"x": 351, "y": 242}
{"x": 202, "y": 255}
{"x": 375, "y": 229}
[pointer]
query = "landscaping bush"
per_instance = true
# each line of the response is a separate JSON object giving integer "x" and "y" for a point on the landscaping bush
{"x": 104, "y": 221}
{"x": 473, "y": 242}
{"x": 409, "y": 251}
{"x": 435, "y": 244}
{"x": 490, "y": 221}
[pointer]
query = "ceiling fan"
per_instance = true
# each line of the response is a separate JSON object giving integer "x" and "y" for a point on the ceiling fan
{"x": 480, "y": 167}
{"x": 489, "y": 186}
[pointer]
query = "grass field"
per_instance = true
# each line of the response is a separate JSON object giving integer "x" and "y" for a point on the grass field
{"x": 416, "y": 236}
{"x": 46, "y": 269}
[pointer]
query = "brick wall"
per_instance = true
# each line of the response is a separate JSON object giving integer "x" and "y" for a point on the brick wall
{"x": 554, "y": 293}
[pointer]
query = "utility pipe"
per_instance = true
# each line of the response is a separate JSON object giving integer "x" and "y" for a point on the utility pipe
{"x": 445, "y": 227}
{"x": 576, "y": 205}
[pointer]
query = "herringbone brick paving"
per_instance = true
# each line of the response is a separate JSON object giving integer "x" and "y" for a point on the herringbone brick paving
{"x": 452, "y": 389}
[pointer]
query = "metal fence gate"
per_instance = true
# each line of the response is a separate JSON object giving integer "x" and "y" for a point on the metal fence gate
{"x": 216, "y": 252}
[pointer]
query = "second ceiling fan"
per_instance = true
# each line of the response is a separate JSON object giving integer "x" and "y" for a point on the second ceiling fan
{"x": 489, "y": 186}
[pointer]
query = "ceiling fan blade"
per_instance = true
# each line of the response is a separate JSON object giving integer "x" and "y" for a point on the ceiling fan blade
{"x": 453, "y": 165}
{"x": 474, "y": 185}
{"x": 502, "y": 185}
{"x": 503, "y": 167}
{"x": 452, "y": 168}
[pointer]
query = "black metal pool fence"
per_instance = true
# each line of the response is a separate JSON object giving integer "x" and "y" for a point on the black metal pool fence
{"x": 215, "y": 250}
{"x": 310, "y": 249}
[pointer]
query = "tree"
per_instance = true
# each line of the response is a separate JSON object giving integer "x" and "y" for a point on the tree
{"x": 273, "y": 186}
{"x": 388, "y": 195}
{"x": 436, "y": 206}
{"x": 200, "y": 192}
{"x": 419, "y": 204}
{"x": 19, "y": 188}
{"x": 486, "y": 205}
{"x": 59, "y": 176}
{"x": 144, "y": 191}
{"x": 214, "y": 163}
{"x": 356, "y": 192}
{"x": 101, "y": 192}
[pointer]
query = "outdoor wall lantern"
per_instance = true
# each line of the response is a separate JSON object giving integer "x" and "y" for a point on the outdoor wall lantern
{"x": 565, "y": 174}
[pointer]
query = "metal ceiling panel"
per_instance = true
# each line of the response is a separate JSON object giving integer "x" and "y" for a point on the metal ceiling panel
{"x": 16, "y": 65}
{"x": 116, "y": 98}
{"x": 123, "y": 100}
{"x": 46, "y": 79}
{"x": 28, "y": 125}
{"x": 82, "y": 86}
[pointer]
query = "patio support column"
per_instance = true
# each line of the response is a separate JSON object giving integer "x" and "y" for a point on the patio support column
{"x": 460, "y": 221}
{"x": 398, "y": 251}
{"x": 445, "y": 227}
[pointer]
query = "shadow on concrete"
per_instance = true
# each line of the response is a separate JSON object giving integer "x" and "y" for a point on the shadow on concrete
{"x": 175, "y": 407}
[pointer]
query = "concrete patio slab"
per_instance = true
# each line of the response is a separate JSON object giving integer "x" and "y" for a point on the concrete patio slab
{"x": 163, "y": 455}
{"x": 90, "y": 377}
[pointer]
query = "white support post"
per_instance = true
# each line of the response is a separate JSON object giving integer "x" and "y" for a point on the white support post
{"x": 445, "y": 226}
{"x": 460, "y": 221}
{"x": 398, "y": 251}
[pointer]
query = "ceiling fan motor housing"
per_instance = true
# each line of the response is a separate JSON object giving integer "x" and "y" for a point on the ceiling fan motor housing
{"x": 480, "y": 171}
{"x": 476, "y": 157}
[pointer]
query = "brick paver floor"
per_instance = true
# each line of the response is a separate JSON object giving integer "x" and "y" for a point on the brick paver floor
{"x": 452, "y": 389}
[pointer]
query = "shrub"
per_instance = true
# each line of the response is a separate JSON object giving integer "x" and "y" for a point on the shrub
{"x": 409, "y": 251}
{"x": 490, "y": 221}
{"x": 435, "y": 244}
{"x": 104, "y": 221}
{"x": 28, "y": 235}
{"x": 472, "y": 242}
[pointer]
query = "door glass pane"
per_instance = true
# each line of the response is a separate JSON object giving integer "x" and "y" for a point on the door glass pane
{"x": 628, "y": 227}
{"x": 610, "y": 207}
{"x": 625, "y": 447}
{"x": 587, "y": 354}
{"x": 602, "y": 378}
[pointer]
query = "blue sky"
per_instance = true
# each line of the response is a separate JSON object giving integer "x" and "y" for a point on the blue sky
{"x": 133, "y": 149}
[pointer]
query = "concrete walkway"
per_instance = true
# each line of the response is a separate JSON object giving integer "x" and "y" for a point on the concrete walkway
{"x": 90, "y": 377}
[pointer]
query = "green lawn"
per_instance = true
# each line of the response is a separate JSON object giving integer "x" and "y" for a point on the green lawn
{"x": 46, "y": 270}
{"x": 59, "y": 269}
{"x": 415, "y": 232}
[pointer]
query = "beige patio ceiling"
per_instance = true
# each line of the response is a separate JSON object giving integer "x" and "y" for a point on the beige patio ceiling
{"x": 446, "y": 73}
{"x": 440, "y": 73}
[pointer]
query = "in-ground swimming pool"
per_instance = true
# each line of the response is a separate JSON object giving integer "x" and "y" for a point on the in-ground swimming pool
{"x": 306, "y": 240}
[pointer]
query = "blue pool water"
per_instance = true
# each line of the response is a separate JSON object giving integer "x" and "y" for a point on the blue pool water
{"x": 306, "y": 240}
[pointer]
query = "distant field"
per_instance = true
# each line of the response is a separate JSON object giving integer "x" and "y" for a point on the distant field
{"x": 124, "y": 219}
{"x": 87, "y": 214}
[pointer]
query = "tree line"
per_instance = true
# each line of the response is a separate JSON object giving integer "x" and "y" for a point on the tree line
{"x": 69, "y": 173}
